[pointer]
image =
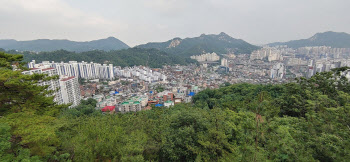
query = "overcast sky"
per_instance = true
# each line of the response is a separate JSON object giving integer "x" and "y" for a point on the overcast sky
{"x": 141, "y": 21}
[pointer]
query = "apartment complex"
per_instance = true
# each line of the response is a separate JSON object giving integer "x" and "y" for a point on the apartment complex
{"x": 206, "y": 57}
{"x": 54, "y": 85}
{"x": 70, "y": 90}
{"x": 277, "y": 71}
{"x": 65, "y": 90}
{"x": 142, "y": 73}
{"x": 79, "y": 69}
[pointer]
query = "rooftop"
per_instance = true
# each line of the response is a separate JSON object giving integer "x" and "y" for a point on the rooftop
{"x": 48, "y": 69}
{"x": 65, "y": 79}
{"x": 108, "y": 108}
{"x": 125, "y": 103}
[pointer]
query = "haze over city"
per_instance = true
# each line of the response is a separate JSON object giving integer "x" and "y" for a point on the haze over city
{"x": 174, "y": 80}
{"x": 141, "y": 21}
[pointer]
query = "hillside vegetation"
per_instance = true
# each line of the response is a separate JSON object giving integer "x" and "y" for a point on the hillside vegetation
{"x": 127, "y": 57}
{"x": 307, "y": 120}
{"x": 220, "y": 44}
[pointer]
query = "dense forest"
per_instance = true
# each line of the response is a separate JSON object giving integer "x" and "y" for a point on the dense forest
{"x": 220, "y": 44}
{"x": 38, "y": 45}
{"x": 126, "y": 57}
{"x": 305, "y": 120}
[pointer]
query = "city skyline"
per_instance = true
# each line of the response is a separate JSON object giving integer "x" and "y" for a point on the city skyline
{"x": 138, "y": 22}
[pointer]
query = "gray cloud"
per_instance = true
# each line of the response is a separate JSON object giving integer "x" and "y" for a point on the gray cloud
{"x": 141, "y": 21}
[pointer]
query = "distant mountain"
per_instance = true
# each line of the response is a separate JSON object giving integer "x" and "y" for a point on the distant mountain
{"x": 221, "y": 44}
{"x": 332, "y": 39}
{"x": 39, "y": 45}
{"x": 126, "y": 57}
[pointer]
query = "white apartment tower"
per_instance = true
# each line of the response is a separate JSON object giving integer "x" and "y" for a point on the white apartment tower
{"x": 70, "y": 90}
{"x": 54, "y": 85}
{"x": 224, "y": 62}
{"x": 277, "y": 71}
{"x": 80, "y": 69}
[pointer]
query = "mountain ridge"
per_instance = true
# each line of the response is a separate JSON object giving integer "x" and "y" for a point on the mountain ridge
{"x": 125, "y": 57}
{"x": 328, "y": 38}
{"x": 220, "y": 43}
{"x": 41, "y": 45}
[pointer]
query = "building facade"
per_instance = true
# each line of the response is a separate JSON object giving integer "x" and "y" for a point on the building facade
{"x": 70, "y": 90}
{"x": 53, "y": 85}
{"x": 79, "y": 69}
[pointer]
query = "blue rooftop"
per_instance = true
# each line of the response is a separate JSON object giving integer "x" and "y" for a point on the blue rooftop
{"x": 191, "y": 94}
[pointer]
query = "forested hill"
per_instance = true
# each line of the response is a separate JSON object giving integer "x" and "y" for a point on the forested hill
{"x": 307, "y": 120}
{"x": 221, "y": 44}
{"x": 126, "y": 57}
{"x": 332, "y": 39}
{"x": 39, "y": 45}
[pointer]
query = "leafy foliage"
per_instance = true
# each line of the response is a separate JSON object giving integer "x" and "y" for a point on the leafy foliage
{"x": 28, "y": 110}
{"x": 307, "y": 120}
{"x": 220, "y": 44}
{"x": 127, "y": 57}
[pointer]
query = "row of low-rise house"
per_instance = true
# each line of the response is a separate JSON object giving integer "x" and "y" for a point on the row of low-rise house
{"x": 142, "y": 73}
{"x": 133, "y": 104}
{"x": 65, "y": 89}
{"x": 79, "y": 69}
{"x": 121, "y": 103}
{"x": 115, "y": 103}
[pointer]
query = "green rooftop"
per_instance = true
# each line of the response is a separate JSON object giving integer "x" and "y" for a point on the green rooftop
{"x": 125, "y": 103}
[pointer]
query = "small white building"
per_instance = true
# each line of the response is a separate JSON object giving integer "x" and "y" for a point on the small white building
{"x": 168, "y": 103}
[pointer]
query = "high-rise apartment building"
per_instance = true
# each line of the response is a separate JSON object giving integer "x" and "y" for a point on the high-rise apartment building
{"x": 70, "y": 90}
{"x": 53, "y": 85}
{"x": 80, "y": 69}
{"x": 206, "y": 57}
{"x": 65, "y": 90}
{"x": 277, "y": 71}
{"x": 224, "y": 62}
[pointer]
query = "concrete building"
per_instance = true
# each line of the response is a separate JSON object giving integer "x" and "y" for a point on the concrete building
{"x": 79, "y": 69}
{"x": 168, "y": 103}
{"x": 128, "y": 106}
{"x": 66, "y": 89}
{"x": 206, "y": 57}
{"x": 224, "y": 62}
{"x": 70, "y": 90}
{"x": 53, "y": 85}
{"x": 142, "y": 73}
{"x": 277, "y": 71}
